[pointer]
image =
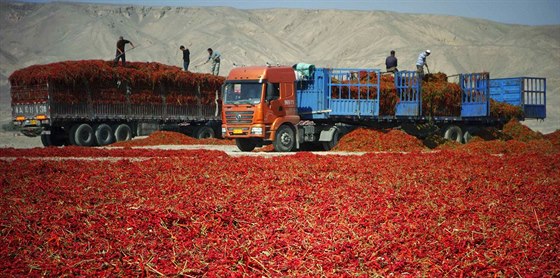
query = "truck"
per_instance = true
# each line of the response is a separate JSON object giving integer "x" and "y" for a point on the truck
{"x": 83, "y": 112}
{"x": 291, "y": 108}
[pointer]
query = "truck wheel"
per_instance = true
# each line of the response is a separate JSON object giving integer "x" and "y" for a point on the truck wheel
{"x": 46, "y": 140}
{"x": 59, "y": 137}
{"x": 285, "y": 139}
{"x": 454, "y": 133}
{"x": 83, "y": 135}
{"x": 104, "y": 135}
{"x": 245, "y": 144}
{"x": 334, "y": 141}
{"x": 72, "y": 135}
{"x": 467, "y": 137}
{"x": 205, "y": 132}
{"x": 123, "y": 133}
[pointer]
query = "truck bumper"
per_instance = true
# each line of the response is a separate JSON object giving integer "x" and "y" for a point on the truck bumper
{"x": 31, "y": 131}
{"x": 248, "y": 131}
{"x": 31, "y": 127}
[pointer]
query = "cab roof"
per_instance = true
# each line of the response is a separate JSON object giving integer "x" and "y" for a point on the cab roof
{"x": 269, "y": 73}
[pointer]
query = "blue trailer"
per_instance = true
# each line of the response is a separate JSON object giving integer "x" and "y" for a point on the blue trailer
{"x": 316, "y": 102}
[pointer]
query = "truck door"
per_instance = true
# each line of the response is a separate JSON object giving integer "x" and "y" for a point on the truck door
{"x": 274, "y": 103}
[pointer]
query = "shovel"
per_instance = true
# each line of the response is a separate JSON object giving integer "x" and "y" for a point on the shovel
{"x": 118, "y": 56}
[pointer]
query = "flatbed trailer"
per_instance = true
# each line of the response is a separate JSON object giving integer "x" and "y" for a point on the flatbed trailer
{"x": 82, "y": 118}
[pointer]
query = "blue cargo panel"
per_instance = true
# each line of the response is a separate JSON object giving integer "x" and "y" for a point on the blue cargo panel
{"x": 527, "y": 92}
{"x": 475, "y": 100}
{"x": 354, "y": 92}
{"x": 408, "y": 88}
{"x": 506, "y": 90}
{"x": 312, "y": 100}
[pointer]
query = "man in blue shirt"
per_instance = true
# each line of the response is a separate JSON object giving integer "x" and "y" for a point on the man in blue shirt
{"x": 391, "y": 63}
{"x": 214, "y": 56}
{"x": 421, "y": 62}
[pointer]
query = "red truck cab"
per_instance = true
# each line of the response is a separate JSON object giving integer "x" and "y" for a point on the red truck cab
{"x": 259, "y": 107}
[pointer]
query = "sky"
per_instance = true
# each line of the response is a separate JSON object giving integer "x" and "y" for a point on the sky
{"x": 527, "y": 12}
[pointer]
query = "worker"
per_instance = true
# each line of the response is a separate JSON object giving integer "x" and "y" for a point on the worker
{"x": 391, "y": 63}
{"x": 422, "y": 62}
{"x": 120, "y": 51}
{"x": 214, "y": 56}
{"x": 186, "y": 57}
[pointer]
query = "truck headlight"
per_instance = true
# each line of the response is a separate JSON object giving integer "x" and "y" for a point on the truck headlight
{"x": 257, "y": 130}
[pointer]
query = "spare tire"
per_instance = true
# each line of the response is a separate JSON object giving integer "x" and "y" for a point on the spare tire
{"x": 454, "y": 133}
{"x": 123, "y": 133}
{"x": 104, "y": 135}
{"x": 83, "y": 135}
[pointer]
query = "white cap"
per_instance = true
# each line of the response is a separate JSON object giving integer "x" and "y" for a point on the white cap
{"x": 428, "y": 51}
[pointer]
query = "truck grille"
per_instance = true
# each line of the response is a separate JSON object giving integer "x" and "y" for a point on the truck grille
{"x": 239, "y": 117}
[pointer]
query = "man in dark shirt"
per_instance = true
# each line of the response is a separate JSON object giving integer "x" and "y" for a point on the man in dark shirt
{"x": 391, "y": 63}
{"x": 186, "y": 57}
{"x": 120, "y": 51}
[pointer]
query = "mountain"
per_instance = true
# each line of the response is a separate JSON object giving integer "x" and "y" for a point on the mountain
{"x": 43, "y": 33}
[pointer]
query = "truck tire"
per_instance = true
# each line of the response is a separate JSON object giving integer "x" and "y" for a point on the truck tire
{"x": 46, "y": 140}
{"x": 123, "y": 133}
{"x": 83, "y": 135}
{"x": 334, "y": 141}
{"x": 205, "y": 132}
{"x": 55, "y": 138}
{"x": 454, "y": 133}
{"x": 104, "y": 135}
{"x": 285, "y": 139}
{"x": 72, "y": 135}
{"x": 245, "y": 144}
{"x": 467, "y": 137}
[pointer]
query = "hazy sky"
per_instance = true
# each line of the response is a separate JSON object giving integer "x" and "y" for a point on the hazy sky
{"x": 531, "y": 12}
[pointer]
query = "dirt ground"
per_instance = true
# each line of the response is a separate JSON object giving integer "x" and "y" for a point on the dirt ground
{"x": 19, "y": 141}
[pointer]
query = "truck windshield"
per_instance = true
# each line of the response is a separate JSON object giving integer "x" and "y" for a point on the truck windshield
{"x": 242, "y": 93}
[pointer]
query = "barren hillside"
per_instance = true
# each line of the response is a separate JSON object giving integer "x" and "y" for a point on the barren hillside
{"x": 43, "y": 33}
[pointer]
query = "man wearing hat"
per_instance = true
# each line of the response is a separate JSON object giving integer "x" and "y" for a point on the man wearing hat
{"x": 421, "y": 62}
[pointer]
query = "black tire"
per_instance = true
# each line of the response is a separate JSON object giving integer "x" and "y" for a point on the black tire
{"x": 205, "y": 132}
{"x": 104, "y": 135}
{"x": 245, "y": 144}
{"x": 285, "y": 139}
{"x": 59, "y": 137}
{"x": 72, "y": 135}
{"x": 123, "y": 133}
{"x": 467, "y": 137}
{"x": 53, "y": 139}
{"x": 327, "y": 146}
{"x": 454, "y": 133}
{"x": 46, "y": 140}
{"x": 83, "y": 135}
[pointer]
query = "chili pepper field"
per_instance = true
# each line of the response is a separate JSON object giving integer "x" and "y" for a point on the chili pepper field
{"x": 77, "y": 211}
